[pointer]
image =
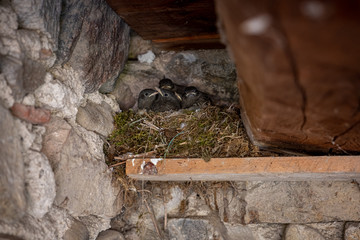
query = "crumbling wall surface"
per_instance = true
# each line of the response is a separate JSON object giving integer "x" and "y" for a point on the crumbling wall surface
{"x": 243, "y": 210}
{"x": 54, "y": 56}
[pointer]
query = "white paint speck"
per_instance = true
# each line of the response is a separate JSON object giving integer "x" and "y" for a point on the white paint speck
{"x": 142, "y": 165}
{"x": 147, "y": 57}
{"x": 313, "y": 9}
{"x": 155, "y": 160}
{"x": 256, "y": 25}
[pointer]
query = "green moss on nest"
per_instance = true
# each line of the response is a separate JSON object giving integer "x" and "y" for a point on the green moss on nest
{"x": 209, "y": 132}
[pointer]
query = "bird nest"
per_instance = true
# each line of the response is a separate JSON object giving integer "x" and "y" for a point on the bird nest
{"x": 205, "y": 133}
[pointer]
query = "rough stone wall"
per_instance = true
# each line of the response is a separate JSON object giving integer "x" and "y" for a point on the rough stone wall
{"x": 320, "y": 210}
{"x": 54, "y": 56}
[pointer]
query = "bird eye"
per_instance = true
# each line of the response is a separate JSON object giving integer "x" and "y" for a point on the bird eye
{"x": 146, "y": 94}
{"x": 166, "y": 94}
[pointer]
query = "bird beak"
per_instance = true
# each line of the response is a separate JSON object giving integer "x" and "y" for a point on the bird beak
{"x": 178, "y": 96}
{"x": 153, "y": 94}
{"x": 159, "y": 91}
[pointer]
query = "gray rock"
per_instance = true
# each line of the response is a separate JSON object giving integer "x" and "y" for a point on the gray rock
{"x": 97, "y": 118}
{"x": 110, "y": 235}
{"x": 40, "y": 15}
{"x": 186, "y": 228}
{"x": 135, "y": 78}
{"x": 330, "y": 231}
{"x": 6, "y": 98}
{"x": 302, "y": 232}
{"x": 52, "y": 226}
{"x": 231, "y": 204}
{"x": 238, "y": 231}
{"x": 210, "y": 71}
{"x": 267, "y": 231}
{"x": 8, "y": 20}
{"x": 304, "y": 202}
{"x": 12, "y": 179}
{"x": 352, "y": 231}
{"x": 95, "y": 225}
{"x": 40, "y": 184}
{"x": 77, "y": 231}
{"x": 84, "y": 183}
{"x": 25, "y": 54}
{"x": 94, "y": 42}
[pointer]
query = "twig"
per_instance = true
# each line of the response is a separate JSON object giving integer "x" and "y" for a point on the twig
{"x": 152, "y": 215}
{"x": 151, "y": 125}
{"x": 140, "y": 155}
{"x": 117, "y": 164}
{"x": 165, "y": 212}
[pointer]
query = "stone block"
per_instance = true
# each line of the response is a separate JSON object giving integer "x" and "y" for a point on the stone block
{"x": 330, "y": 230}
{"x": 187, "y": 228}
{"x": 267, "y": 231}
{"x": 77, "y": 231}
{"x": 96, "y": 117}
{"x": 302, "y": 202}
{"x": 352, "y": 231}
{"x": 40, "y": 15}
{"x": 40, "y": 184}
{"x": 110, "y": 235}
{"x": 83, "y": 182}
{"x": 302, "y": 232}
{"x": 31, "y": 114}
{"x": 94, "y": 42}
{"x": 12, "y": 178}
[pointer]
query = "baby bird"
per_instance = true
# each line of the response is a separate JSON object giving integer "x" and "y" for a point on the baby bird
{"x": 166, "y": 101}
{"x": 146, "y": 98}
{"x": 167, "y": 84}
{"x": 193, "y": 98}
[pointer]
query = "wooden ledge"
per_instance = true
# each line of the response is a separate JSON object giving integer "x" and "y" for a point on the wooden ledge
{"x": 245, "y": 169}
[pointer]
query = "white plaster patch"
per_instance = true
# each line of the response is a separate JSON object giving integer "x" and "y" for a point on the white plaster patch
{"x": 57, "y": 97}
{"x": 142, "y": 167}
{"x": 147, "y": 57}
{"x": 155, "y": 160}
{"x": 256, "y": 25}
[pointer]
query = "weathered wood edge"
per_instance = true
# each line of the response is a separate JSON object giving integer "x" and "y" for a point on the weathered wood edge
{"x": 246, "y": 169}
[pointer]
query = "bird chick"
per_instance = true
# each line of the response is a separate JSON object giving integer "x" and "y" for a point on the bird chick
{"x": 193, "y": 98}
{"x": 146, "y": 98}
{"x": 167, "y": 84}
{"x": 165, "y": 101}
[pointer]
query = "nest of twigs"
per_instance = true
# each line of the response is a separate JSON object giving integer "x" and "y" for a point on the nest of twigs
{"x": 205, "y": 133}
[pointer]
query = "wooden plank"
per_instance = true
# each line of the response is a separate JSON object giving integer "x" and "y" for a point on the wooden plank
{"x": 299, "y": 74}
{"x": 246, "y": 169}
{"x": 161, "y": 19}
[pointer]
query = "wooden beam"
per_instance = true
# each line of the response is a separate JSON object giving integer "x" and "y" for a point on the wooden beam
{"x": 246, "y": 169}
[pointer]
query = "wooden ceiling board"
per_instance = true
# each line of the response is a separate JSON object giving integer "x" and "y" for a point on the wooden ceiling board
{"x": 172, "y": 20}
